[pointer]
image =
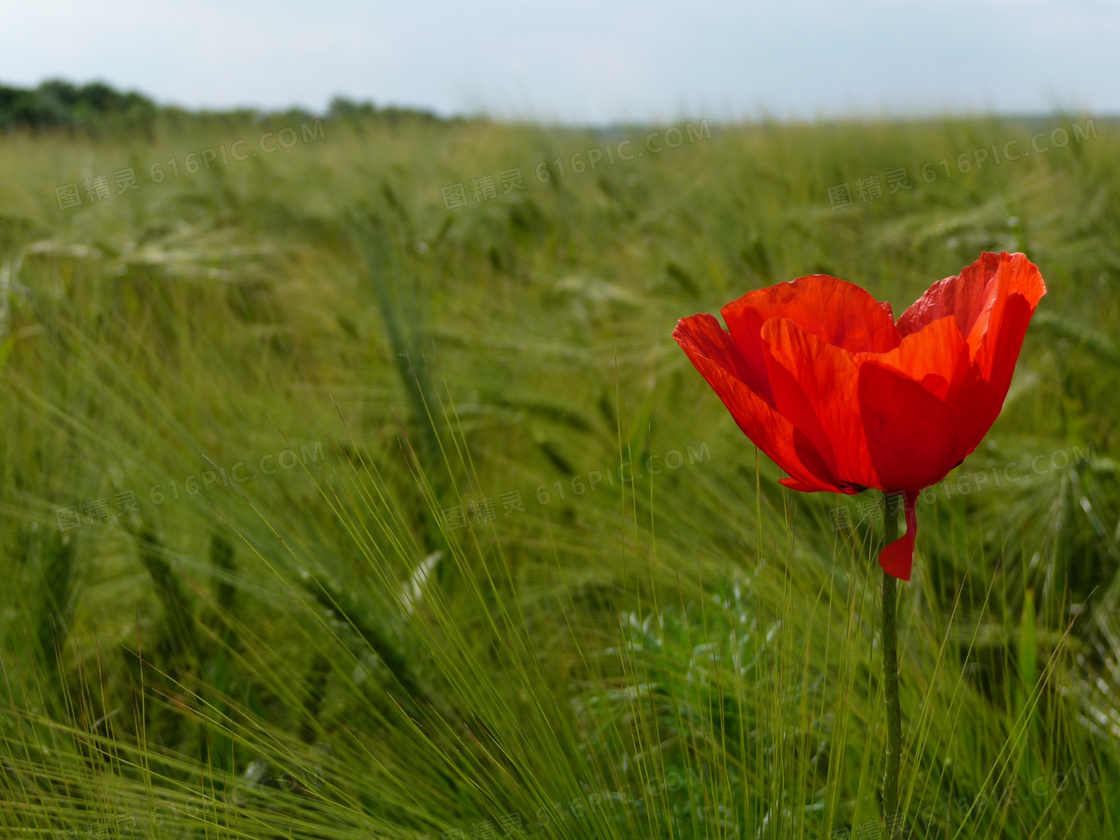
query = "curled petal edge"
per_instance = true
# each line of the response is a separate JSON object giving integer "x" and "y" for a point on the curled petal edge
{"x": 897, "y": 559}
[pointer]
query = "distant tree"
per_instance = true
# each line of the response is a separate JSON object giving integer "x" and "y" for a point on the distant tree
{"x": 60, "y": 104}
{"x": 98, "y": 107}
{"x": 342, "y": 108}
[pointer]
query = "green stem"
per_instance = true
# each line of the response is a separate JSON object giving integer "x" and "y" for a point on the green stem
{"x": 890, "y": 675}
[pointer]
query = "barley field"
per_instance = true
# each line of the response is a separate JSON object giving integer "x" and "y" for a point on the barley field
{"x": 354, "y": 487}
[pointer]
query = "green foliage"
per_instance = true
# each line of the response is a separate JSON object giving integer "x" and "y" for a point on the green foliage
{"x": 98, "y": 108}
{"x": 416, "y": 520}
{"x": 60, "y": 104}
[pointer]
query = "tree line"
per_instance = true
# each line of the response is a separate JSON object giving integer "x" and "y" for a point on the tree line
{"x": 97, "y": 107}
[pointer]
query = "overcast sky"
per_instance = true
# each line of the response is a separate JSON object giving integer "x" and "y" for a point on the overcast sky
{"x": 583, "y": 61}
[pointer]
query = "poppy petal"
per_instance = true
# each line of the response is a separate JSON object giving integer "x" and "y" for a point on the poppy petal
{"x": 897, "y": 559}
{"x": 992, "y": 302}
{"x": 1004, "y": 325}
{"x": 795, "y": 484}
{"x": 835, "y": 311}
{"x": 994, "y": 342}
{"x": 815, "y": 386}
{"x": 970, "y": 294}
{"x": 977, "y": 401}
{"x": 912, "y": 437}
{"x": 936, "y": 356}
{"x": 715, "y": 355}
{"x": 963, "y": 296}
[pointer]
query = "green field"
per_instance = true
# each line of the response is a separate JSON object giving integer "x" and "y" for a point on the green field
{"x": 354, "y": 487}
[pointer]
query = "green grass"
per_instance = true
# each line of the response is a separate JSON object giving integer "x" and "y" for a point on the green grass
{"x": 312, "y": 650}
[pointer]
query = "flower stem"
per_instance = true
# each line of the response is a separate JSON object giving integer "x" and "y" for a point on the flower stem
{"x": 890, "y": 675}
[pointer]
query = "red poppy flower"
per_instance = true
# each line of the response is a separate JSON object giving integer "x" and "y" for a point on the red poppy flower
{"x": 824, "y": 381}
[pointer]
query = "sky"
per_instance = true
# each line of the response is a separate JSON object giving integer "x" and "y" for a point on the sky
{"x": 584, "y": 62}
